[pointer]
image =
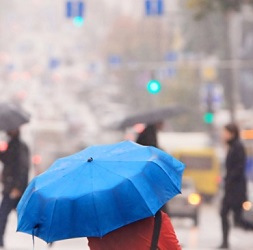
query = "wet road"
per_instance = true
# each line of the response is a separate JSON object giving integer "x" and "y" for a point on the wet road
{"x": 206, "y": 236}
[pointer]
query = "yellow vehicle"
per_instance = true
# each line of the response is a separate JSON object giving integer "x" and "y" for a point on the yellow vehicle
{"x": 202, "y": 166}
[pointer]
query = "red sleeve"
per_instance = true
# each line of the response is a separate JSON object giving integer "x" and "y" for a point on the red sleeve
{"x": 168, "y": 239}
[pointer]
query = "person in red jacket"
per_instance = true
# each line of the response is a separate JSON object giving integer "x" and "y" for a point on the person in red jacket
{"x": 138, "y": 236}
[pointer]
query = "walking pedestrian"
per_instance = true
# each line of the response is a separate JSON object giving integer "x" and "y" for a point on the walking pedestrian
{"x": 148, "y": 234}
{"x": 234, "y": 182}
{"x": 149, "y": 135}
{"x": 14, "y": 177}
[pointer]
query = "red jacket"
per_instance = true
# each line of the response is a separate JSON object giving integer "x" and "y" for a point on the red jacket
{"x": 138, "y": 236}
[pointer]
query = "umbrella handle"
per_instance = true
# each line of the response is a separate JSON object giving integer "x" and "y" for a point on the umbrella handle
{"x": 33, "y": 240}
{"x": 33, "y": 236}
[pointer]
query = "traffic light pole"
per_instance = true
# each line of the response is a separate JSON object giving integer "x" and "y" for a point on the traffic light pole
{"x": 209, "y": 114}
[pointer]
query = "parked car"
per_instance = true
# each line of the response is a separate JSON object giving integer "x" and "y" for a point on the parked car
{"x": 248, "y": 206}
{"x": 185, "y": 205}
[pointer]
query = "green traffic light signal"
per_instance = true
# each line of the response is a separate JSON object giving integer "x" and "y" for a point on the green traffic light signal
{"x": 78, "y": 21}
{"x": 208, "y": 117}
{"x": 154, "y": 87}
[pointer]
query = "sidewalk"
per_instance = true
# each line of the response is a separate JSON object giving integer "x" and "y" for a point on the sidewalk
{"x": 20, "y": 241}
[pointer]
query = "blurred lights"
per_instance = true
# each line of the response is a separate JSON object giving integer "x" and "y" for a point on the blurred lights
{"x": 4, "y": 57}
{"x": 3, "y": 146}
{"x": 218, "y": 179}
{"x": 56, "y": 77}
{"x": 15, "y": 76}
{"x": 209, "y": 73}
{"x": 154, "y": 87}
{"x": 36, "y": 159}
{"x": 25, "y": 75}
{"x": 139, "y": 128}
{"x": 194, "y": 199}
{"x": 21, "y": 95}
{"x": 247, "y": 134}
{"x": 208, "y": 117}
{"x": 247, "y": 205}
{"x": 78, "y": 21}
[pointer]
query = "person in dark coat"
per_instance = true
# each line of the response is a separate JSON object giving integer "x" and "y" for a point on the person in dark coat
{"x": 14, "y": 177}
{"x": 235, "y": 181}
{"x": 149, "y": 136}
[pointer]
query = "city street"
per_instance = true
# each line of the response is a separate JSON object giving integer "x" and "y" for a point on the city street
{"x": 100, "y": 92}
{"x": 207, "y": 236}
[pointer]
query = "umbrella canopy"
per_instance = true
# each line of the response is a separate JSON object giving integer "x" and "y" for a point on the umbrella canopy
{"x": 152, "y": 117}
{"x": 12, "y": 117}
{"x": 98, "y": 190}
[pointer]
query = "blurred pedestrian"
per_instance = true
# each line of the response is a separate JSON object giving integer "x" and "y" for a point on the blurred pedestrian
{"x": 148, "y": 234}
{"x": 14, "y": 177}
{"x": 149, "y": 135}
{"x": 235, "y": 181}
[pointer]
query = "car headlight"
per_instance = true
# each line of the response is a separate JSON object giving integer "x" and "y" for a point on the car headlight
{"x": 247, "y": 205}
{"x": 194, "y": 199}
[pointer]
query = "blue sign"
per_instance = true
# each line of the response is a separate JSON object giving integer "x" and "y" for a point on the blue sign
{"x": 172, "y": 56}
{"x": 114, "y": 60}
{"x": 53, "y": 63}
{"x": 154, "y": 7}
{"x": 75, "y": 9}
{"x": 69, "y": 9}
{"x": 171, "y": 72}
{"x": 212, "y": 93}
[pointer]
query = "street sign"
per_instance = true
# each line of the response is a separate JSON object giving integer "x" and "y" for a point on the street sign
{"x": 212, "y": 93}
{"x": 74, "y": 9}
{"x": 114, "y": 60}
{"x": 154, "y": 7}
{"x": 69, "y": 9}
{"x": 53, "y": 63}
{"x": 171, "y": 56}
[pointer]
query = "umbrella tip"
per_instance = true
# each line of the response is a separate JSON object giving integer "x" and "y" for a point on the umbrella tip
{"x": 90, "y": 159}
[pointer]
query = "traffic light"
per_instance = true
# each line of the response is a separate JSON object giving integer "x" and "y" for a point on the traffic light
{"x": 209, "y": 112}
{"x": 154, "y": 87}
{"x": 208, "y": 117}
{"x": 78, "y": 21}
{"x": 75, "y": 10}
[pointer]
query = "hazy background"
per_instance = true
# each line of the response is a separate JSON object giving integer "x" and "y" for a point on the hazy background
{"x": 79, "y": 81}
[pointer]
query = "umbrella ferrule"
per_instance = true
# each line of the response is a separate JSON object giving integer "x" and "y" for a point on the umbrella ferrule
{"x": 90, "y": 159}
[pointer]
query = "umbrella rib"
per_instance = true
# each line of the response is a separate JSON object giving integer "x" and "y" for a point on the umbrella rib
{"x": 150, "y": 149}
{"x": 128, "y": 179}
{"x": 168, "y": 176}
{"x": 55, "y": 206}
{"x": 140, "y": 161}
{"x": 49, "y": 231}
{"x": 94, "y": 205}
{"x": 140, "y": 194}
{"x": 45, "y": 186}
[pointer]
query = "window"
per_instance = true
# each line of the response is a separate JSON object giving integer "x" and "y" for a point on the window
{"x": 196, "y": 162}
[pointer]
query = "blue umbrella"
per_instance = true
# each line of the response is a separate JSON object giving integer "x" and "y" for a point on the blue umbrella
{"x": 98, "y": 190}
